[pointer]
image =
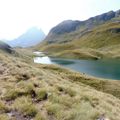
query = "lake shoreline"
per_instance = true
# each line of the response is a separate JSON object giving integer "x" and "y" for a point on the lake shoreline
{"x": 102, "y": 68}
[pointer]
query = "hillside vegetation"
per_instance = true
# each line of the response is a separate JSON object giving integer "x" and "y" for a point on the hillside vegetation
{"x": 100, "y": 40}
{"x": 49, "y": 92}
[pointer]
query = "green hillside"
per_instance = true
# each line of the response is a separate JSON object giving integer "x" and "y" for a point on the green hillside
{"x": 48, "y": 92}
{"x": 102, "y": 40}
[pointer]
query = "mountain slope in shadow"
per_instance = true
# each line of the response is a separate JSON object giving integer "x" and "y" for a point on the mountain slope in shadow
{"x": 5, "y": 47}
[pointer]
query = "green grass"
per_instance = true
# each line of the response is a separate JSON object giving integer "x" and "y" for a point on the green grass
{"x": 52, "y": 92}
{"x": 39, "y": 116}
{"x": 41, "y": 94}
{"x": 25, "y": 106}
{"x": 3, "y": 107}
{"x": 4, "y": 117}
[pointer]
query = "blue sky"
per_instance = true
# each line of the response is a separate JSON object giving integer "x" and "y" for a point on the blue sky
{"x": 16, "y": 16}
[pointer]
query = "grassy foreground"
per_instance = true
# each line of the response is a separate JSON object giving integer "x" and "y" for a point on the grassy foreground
{"x": 48, "y": 92}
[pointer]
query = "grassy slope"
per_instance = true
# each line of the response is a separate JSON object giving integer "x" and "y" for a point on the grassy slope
{"x": 48, "y": 92}
{"x": 99, "y": 42}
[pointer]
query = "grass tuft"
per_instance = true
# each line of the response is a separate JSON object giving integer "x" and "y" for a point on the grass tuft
{"x": 4, "y": 117}
{"x": 25, "y": 106}
{"x": 39, "y": 116}
{"x": 3, "y": 107}
{"x": 41, "y": 94}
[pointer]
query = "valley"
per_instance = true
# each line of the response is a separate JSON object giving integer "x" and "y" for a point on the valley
{"x": 83, "y": 81}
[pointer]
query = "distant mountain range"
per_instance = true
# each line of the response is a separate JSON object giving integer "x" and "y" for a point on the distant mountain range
{"x": 96, "y": 38}
{"x": 32, "y": 37}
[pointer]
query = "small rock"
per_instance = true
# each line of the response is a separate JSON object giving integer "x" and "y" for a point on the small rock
{"x": 102, "y": 117}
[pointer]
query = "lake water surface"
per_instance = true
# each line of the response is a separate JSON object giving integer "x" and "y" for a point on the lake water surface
{"x": 109, "y": 69}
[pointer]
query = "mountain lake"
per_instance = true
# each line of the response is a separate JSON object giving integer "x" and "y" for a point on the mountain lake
{"x": 108, "y": 69}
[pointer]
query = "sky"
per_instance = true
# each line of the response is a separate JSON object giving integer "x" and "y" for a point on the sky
{"x": 17, "y": 16}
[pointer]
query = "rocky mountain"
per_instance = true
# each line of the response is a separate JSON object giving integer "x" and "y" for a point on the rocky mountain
{"x": 96, "y": 38}
{"x": 69, "y": 25}
{"x": 65, "y": 26}
{"x": 32, "y": 37}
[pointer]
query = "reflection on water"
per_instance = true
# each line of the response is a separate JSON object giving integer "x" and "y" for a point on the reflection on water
{"x": 40, "y": 54}
{"x": 43, "y": 60}
{"x": 100, "y": 68}
{"x": 37, "y": 52}
{"x": 62, "y": 62}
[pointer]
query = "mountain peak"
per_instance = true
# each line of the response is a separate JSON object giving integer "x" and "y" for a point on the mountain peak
{"x": 31, "y": 37}
{"x": 68, "y": 26}
{"x": 65, "y": 27}
{"x": 34, "y": 29}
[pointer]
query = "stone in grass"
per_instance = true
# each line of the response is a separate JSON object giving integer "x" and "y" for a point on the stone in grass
{"x": 103, "y": 117}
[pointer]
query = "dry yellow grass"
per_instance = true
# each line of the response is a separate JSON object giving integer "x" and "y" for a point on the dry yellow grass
{"x": 48, "y": 92}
